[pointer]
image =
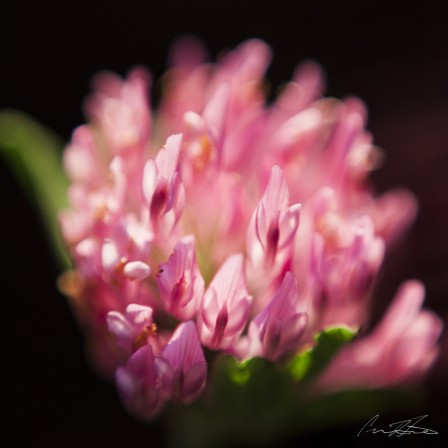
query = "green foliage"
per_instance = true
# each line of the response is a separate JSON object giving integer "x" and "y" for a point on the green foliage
{"x": 311, "y": 362}
{"x": 256, "y": 402}
{"x": 33, "y": 154}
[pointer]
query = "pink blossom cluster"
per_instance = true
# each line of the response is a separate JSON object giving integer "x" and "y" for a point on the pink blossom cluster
{"x": 223, "y": 223}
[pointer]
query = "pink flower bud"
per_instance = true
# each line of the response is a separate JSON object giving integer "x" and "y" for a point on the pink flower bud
{"x": 225, "y": 307}
{"x": 180, "y": 282}
{"x": 280, "y": 326}
{"x": 162, "y": 187}
{"x": 272, "y": 229}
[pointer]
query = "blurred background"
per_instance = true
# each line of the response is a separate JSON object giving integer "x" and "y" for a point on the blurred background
{"x": 392, "y": 54}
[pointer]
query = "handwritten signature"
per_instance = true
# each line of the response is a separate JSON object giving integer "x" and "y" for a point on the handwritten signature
{"x": 399, "y": 429}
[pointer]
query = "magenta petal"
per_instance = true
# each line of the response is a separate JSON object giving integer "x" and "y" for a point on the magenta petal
{"x": 187, "y": 367}
{"x": 288, "y": 225}
{"x": 210, "y": 308}
{"x": 180, "y": 282}
{"x": 165, "y": 373}
{"x": 279, "y": 327}
{"x": 274, "y": 225}
{"x": 184, "y": 347}
{"x": 120, "y": 327}
{"x": 139, "y": 314}
{"x": 129, "y": 326}
{"x": 293, "y": 330}
{"x": 226, "y": 298}
{"x": 228, "y": 283}
{"x": 238, "y": 318}
{"x": 137, "y": 384}
{"x": 194, "y": 381}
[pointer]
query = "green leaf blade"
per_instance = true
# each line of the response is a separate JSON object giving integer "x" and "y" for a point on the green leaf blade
{"x": 308, "y": 364}
{"x": 33, "y": 154}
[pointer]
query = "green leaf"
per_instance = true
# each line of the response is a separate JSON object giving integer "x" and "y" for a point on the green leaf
{"x": 33, "y": 154}
{"x": 311, "y": 362}
{"x": 258, "y": 402}
{"x": 250, "y": 403}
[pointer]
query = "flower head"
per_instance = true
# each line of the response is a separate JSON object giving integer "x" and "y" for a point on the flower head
{"x": 233, "y": 226}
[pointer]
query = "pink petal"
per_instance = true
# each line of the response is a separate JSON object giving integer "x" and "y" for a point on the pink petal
{"x": 215, "y": 111}
{"x": 120, "y": 326}
{"x": 180, "y": 282}
{"x": 149, "y": 179}
{"x": 194, "y": 381}
{"x": 109, "y": 255}
{"x": 404, "y": 309}
{"x": 137, "y": 384}
{"x": 184, "y": 348}
{"x": 139, "y": 314}
{"x": 168, "y": 156}
{"x": 292, "y": 331}
{"x": 288, "y": 225}
{"x": 238, "y": 317}
{"x": 188, "y": 369}
{"x": 228, "y": 283}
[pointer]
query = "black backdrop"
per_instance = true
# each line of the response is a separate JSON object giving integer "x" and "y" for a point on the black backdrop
{"x": 392, "y": 54}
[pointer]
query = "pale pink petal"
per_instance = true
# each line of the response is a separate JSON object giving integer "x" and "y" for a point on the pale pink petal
{"x": 215, "y": 111}
{"x": 149, "y": 179}
{"x": 404, "y": 309}
{"x": 110, "y": 255}
{"x": 168, "y": 156}
{"x": 120, "y": 327}
{"x": 139, "y": 314}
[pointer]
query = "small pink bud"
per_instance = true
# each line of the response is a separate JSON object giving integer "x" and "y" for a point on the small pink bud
{"x": 136, "y": 270}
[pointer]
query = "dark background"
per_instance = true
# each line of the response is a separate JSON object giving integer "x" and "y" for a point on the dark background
{"x": 392, "y": 54}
